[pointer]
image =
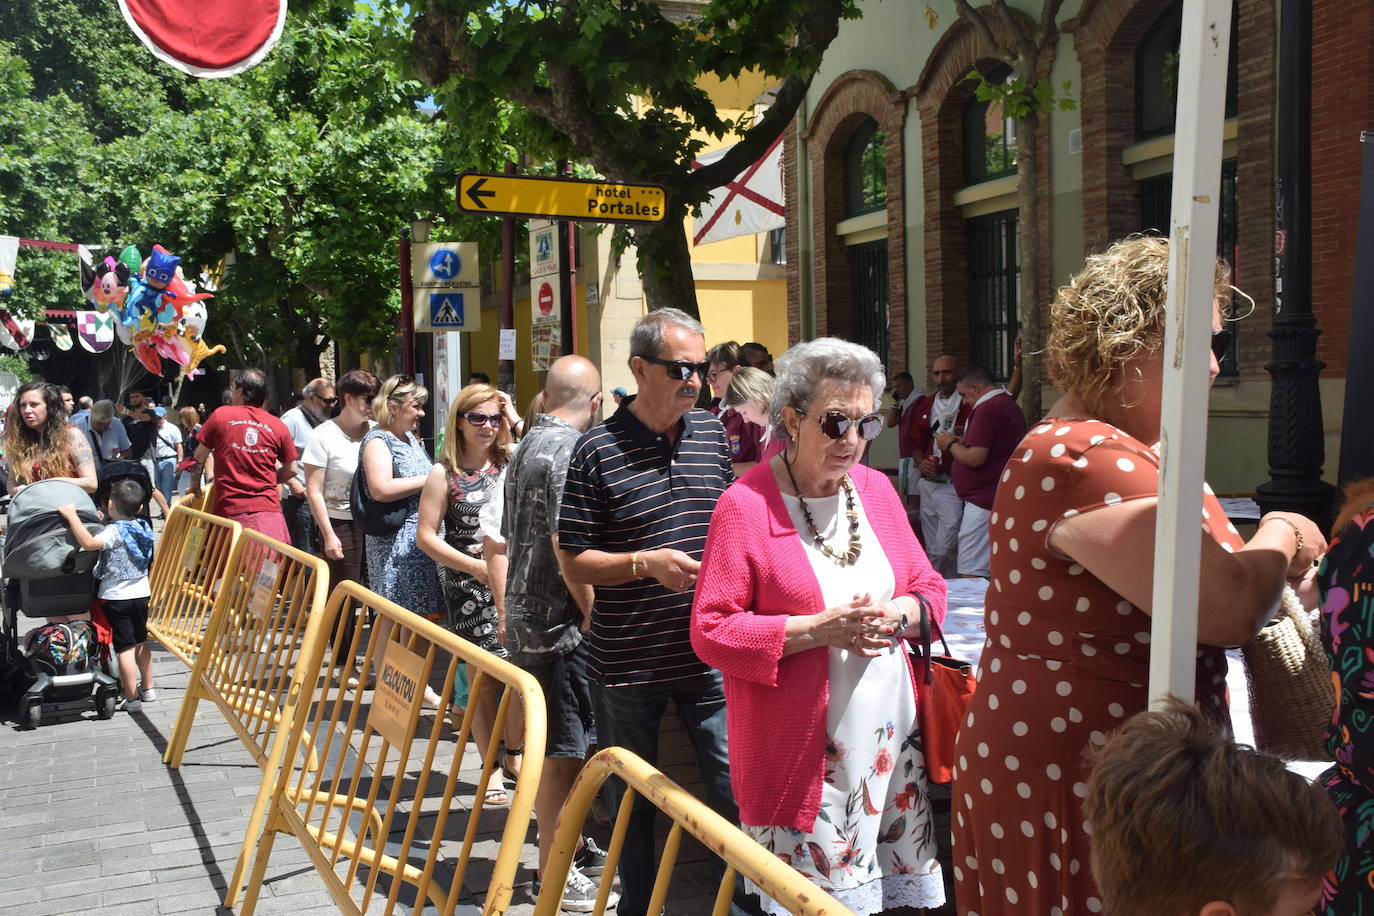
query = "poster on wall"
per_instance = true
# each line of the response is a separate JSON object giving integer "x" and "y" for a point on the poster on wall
{"x": 546, "y": 342}
{"x": 448, "y": 380}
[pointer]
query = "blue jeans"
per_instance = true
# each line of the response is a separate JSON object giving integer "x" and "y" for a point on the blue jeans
{"x": 165, "y": 476}
{"x": 629, "y": 717}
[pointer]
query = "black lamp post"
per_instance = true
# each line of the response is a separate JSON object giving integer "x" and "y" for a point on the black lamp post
{"x": 1297, "y": 448}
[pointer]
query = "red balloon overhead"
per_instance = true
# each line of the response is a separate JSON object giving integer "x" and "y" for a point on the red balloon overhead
{"x": 207, "y": 38}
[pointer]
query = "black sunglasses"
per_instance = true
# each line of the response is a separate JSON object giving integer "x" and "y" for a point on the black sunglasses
{"x": 1221, "y": 343}
{"x": 679, "y": 369}
{"x": 835, "y": 424}
{"x": 329, "y": 401}
{"x": 477, "y": 419}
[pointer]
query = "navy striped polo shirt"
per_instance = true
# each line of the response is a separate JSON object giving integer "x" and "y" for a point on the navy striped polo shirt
{"x": 629, "y": 489}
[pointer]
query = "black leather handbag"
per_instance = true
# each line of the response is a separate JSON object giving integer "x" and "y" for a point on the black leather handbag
{"x": 379, "y": 519}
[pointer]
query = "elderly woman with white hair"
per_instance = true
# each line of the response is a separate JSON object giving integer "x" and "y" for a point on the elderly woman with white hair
{"x": 809, "y": 582}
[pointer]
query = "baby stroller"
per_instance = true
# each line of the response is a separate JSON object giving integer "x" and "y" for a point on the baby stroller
{"x": 46, "y": 575}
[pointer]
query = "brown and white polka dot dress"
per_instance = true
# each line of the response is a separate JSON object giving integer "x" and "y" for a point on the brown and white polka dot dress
{"x": 1066, "y": 662}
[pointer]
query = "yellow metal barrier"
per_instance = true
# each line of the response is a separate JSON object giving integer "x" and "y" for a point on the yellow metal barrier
{"x": 742, "y": 855}
{"x": 192, "y": 557}
{"x": 201, "y": 503}
{"x": 252, "y": 641}
{"x": 385, "y": 797}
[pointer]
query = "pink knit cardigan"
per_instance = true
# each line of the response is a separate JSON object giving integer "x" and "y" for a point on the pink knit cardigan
{"x": 755, "y": 574}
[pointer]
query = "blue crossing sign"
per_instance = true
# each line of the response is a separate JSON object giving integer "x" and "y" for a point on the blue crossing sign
{"x": 446, "y": 311}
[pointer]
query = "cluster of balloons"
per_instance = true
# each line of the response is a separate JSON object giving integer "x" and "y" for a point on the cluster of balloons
{"x": 157, "y": 313}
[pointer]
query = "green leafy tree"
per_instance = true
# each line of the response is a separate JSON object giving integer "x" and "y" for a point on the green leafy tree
{"x": 1028, "y": 46}
{"x": 618, "y": 82}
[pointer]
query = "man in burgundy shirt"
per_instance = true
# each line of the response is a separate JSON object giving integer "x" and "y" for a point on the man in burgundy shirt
{"x": 254, "y": 454}
{"x": 995, "y": 427}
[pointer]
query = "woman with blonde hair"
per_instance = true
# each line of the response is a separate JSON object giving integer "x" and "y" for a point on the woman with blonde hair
{"x": 395, "y": 466}
{"x": 748, "y": 394}
{"x": 1068, "y": 622}
{"x": 477, "y": 444}
{"x": 40, "y": 444}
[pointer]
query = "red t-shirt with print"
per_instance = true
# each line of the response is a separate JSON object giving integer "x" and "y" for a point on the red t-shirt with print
{"x": 248, "y": 443}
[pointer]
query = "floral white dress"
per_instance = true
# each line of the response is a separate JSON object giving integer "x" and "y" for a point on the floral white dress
{"x": 873, "y": 844}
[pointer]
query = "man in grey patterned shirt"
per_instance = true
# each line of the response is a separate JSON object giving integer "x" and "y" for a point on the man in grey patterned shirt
{"x": 544, "y": 616}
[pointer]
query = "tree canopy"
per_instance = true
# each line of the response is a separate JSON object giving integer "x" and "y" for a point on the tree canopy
{"x": 621, "y": 82}
{"x": 288, "y": 185}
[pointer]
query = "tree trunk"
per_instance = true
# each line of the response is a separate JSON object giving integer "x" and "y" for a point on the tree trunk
{"x": 665, "y": 265}
{"x": 1028, "y": 254}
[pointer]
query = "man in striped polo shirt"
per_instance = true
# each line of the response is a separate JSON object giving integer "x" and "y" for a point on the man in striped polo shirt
{"x": 638, "y": 499}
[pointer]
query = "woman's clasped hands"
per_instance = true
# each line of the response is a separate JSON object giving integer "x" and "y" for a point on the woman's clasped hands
{"x": 859, "y": 626}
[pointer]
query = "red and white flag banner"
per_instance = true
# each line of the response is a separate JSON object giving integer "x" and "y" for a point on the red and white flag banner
{"x": 752, "y": 203}
{"x": 207, "y": 38}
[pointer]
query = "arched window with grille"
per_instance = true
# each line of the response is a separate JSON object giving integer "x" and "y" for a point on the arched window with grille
{"x": 865, "y": 170}
{"x": 989, "y": 135}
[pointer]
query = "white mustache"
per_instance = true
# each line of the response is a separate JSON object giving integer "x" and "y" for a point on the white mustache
{"x": 687, "y": 391}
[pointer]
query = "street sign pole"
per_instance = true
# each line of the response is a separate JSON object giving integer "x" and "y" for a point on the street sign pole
{"x": 506, "y": 368}
{"x": 407, "y": 308}
{"x": 567, "y": 274}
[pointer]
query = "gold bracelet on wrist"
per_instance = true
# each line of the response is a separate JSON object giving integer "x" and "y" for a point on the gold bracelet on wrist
{"x": 1296, "y": 533}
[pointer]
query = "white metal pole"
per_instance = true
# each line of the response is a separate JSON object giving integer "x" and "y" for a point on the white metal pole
{"x": 1187, "y": 337}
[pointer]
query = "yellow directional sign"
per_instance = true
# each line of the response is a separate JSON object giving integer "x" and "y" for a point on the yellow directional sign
{"x": 561, "y": 198}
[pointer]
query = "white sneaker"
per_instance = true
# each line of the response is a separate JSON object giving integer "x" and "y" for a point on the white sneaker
{"x": 579, "y": 896}
{"x": 128, "y": 705}
{"x": 148, "y": 696}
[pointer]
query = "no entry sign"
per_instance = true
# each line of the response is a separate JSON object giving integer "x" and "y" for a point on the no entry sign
{"x": 207, "y": 38}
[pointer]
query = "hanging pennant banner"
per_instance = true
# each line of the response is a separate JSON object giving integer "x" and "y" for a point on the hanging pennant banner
{"x": 61, "y": 336}
{"x": 207, "y": 38}
{"x": 95, "y": 331}
{"x": 9, "y": 254}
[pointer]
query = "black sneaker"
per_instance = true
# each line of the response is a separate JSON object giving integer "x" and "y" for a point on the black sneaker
{"x": 590, "y": 859}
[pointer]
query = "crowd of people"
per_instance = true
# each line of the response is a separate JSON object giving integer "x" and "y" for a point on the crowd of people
{"x": 736, "y": 555}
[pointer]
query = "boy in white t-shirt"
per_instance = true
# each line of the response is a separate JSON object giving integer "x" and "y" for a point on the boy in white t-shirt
{"x": 126, "y": 554}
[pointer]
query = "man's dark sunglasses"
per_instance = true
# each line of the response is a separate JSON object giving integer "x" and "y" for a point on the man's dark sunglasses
{"x": 679, "y": 369}
{"x": 477, "y": 419}
{"x": 329, "y": 401}
{"x": 1221, "y": 343}
{"x": 836, "y": 424}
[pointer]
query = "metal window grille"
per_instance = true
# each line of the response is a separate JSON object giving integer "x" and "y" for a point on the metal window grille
{"x": 1156, "y": 200}
{"x": 868, "y": 283}
{"x": 994, "y": 289}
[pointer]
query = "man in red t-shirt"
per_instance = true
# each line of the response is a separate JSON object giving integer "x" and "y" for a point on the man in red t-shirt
{"x": 995, "y": 427}
{"x": 253, "y": 453}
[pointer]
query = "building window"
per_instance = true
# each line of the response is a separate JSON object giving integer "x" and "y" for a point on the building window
{"x": 994, "y": 284}
{"x": 865, "y": 170}
{"x": 1156, "y": 203}
{"x": 868, "y": 281}
{"x": 777, "y": 245}
{"x": 1156, "y": 74}
{"x": 989, "y": 137}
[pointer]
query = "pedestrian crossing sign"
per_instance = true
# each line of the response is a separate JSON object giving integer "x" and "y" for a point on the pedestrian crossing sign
{"x": 448, "y": 311}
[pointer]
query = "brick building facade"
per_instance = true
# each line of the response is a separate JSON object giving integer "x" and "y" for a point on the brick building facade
{"x": 1102, "y": 172}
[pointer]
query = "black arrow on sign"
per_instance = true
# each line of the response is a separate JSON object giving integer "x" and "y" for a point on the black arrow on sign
{"x": 475, "y": 194}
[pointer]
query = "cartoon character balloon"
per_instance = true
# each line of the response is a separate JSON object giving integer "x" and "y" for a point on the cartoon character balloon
{"x": 193, "y": 321}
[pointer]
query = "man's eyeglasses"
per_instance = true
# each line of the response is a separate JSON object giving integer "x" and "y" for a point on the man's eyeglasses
{"x": 478, "y": 419}
{"x": 835, "y": 424}
{"x": 1221, "y": 343}
{"x": 329, "y": 402}
{"x": 679, "y": 369}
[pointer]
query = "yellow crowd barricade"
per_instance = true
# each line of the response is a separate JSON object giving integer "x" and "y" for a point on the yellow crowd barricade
{"x": 383, "y": 812}
{"x": 645, "y": 784}
{"x": 192, "y": 557}
{"x": 202, "y": 502}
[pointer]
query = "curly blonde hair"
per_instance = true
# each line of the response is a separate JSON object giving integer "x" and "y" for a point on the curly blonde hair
{"x": 1112, "y": 311}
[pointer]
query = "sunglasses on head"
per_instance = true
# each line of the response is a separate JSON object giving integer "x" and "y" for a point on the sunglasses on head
{"x": 478, "y": 419}
{"x": 835, "y": 424}
{"x": 1221, "y": 343}
{"x": 679, "y": 369}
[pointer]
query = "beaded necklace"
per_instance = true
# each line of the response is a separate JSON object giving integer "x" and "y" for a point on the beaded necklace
{"x": 851, "y": 555}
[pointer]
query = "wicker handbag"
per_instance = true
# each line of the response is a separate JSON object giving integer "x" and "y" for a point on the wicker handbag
{"x": 1291, "y": 695}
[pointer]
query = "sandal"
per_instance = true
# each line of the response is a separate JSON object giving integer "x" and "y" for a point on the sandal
{"x": 496, "y": 795}
{"x": 506, "y": 770}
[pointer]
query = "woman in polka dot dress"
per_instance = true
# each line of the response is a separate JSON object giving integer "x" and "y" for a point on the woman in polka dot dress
{"x": 1072, "y": 537}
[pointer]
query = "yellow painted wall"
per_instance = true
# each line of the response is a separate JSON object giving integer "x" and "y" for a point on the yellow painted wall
{"x": 745, "y": 311}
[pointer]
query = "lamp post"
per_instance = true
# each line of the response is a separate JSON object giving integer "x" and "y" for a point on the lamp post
{"x": 1297, "y": 447}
